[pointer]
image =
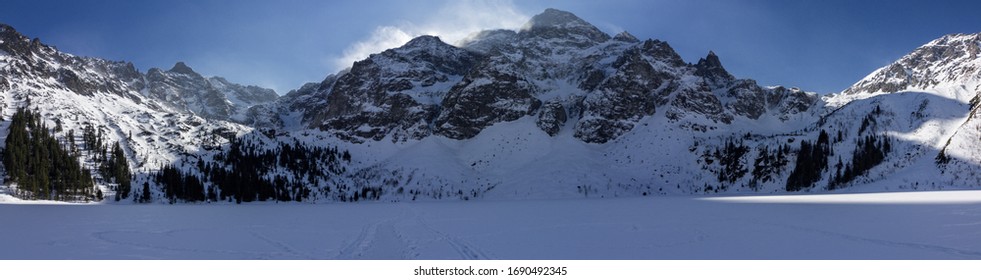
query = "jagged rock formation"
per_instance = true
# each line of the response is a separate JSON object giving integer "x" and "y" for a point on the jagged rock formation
{"x": 396, "y": 92}
{"x": 951, "y": 59}
{"x": 214, "y": 98}
{"x": 555, "y": 109}
{"x": 429, "y": 87}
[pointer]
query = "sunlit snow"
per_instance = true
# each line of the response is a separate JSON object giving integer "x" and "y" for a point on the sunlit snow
{"x": 922, "y": 225}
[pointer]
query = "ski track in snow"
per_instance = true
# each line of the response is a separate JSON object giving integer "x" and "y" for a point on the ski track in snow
{"x": 286, "y": 248}
{"x": 383, "y": 240}
{"x": 463, "y": 248}
{"x": 356, "y": 247}
{"x": 656, "y": 228}
{"x": 378, "y": 241}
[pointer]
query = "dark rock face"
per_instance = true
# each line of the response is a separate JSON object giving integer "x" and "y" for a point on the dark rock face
{"x": 792, "y": 101}
{"x": 557, "y": 69}
{"x": 710, "y": 68}
{"x": 551, "y": 118}
{"x": 181, "y": 68}
{"x": 749, "y": 100}
{"x": 660, "y": 51}
{"x": 482, "y": 99}
{"x": 702, "y": 102}
{"x": 939, "y": 61}
{"x": 625, "y": 97}
{"x": 182, "y": 88}
{"x": 396, "y": 92}
{"x": 14, "y": 43}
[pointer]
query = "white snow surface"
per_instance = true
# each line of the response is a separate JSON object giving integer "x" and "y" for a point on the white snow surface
{"x": 854, "y": 226}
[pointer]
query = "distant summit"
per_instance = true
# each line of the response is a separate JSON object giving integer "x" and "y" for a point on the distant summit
{"x": 949, "y": 61}
{"x": 554, "y": 24}
{"x": 182, "y": 68}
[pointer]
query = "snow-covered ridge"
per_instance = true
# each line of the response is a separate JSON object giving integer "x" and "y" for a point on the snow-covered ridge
{"x": 551, "y": 111}
{"x": 559, "y": 69}
{"x": 949, "y": 65}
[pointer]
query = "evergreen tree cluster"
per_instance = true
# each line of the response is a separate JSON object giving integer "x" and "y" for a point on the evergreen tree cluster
{"x": 111, "y": 161}
{"x": 812, "y": 160}
{"x": 730, "y": 159}
{"x": 177, "y": 185}
{"x": 41, "y": 166}
{"x": 248, "y": 172}
{"x": 768, "y": 163}
{"x": 115, "y": 169}
{"x": 869, "y": 152}
{"x": 869, "y": 120}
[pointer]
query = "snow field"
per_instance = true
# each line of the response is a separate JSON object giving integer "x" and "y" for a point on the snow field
{"x": 923, "y": 225}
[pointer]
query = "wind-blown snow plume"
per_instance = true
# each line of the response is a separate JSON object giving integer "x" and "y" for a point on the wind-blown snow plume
{"x": 452, "y": 23}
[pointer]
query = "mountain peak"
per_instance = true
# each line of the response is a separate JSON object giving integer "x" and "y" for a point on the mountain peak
{"x": 626, "y": 37}
{"x": 949, "y": 61}
{"x": 711, "y": 68}
{"x": 424, "y": 41}
{"x": 551, "y": 20}
{"x": 7, "y": 29}
{"x": 182, "y": 68}
{"x": 955, "y": 39}
{"x": 555, "y": 18}
{"x": 711, "y": 60}
{"x": 15, "y": 43}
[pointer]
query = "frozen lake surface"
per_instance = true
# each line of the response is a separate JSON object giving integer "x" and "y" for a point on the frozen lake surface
{"x": 920, "y": 225}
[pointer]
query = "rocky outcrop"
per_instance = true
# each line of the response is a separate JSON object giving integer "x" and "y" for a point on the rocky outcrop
{"x": 552, "y": 117}
{"x": 557, "y": 69}
{"x": 482, "y": 99}
{"x": 629, "y": 94}
{"x": 950, "y": 59}
{"x": 396, "y": 92}
{"x": 710, "y": 69}
{"x": 184, "y": 89}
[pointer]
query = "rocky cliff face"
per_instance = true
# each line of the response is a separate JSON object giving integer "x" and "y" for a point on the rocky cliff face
{"x": 395, "y": 93}
{"x": 179, "y": 88}
{"x": 157, "y": 117}
{"x": 948, "y": 60}
{"x": 618, "y": 116}
{"x": 214, "y": 98}
{"x": 558, "y": 68}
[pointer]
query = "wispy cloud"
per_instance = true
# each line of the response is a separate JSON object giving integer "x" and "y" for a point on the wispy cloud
{"x": 451, "y": 23}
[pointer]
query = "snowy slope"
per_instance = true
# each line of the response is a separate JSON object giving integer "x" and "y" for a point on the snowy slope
{"x": 925, "y": 225}
{"x": 72, "y": 92}
{"x": 557, "y": 109}
{"x": 932, "y": 95}
{"x": 675, "y": 150}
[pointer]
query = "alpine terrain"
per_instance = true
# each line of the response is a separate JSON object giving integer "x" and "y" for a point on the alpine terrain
{"x": 556, "y": 109}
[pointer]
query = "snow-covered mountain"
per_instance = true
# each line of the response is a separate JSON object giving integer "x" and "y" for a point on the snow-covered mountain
{"x": 159, "y": 117}
{"x": 214, "y": 98}
{"x": 555, "y": 109}
{"x": 949, "y": 65}
{"x": 932, "y": 96}
{"x": 558, "y": 69}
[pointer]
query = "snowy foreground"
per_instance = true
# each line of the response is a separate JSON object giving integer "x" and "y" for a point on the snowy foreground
{"x": 921, "y": 225}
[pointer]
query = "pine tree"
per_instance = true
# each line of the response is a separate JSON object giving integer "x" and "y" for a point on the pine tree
{"x": 37, "y": 162}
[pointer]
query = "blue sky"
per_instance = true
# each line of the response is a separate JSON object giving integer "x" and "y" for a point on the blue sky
{"x": 821, "y": 46}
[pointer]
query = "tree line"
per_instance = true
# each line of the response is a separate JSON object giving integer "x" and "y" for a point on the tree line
{"x": 247, "y": 171}
{"x": 41, "y": 166}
